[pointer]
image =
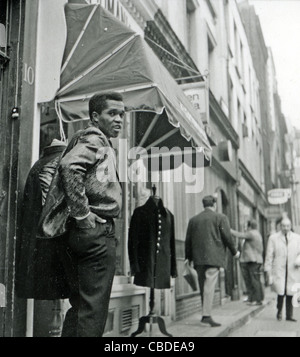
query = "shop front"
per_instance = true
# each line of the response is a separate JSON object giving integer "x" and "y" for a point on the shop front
{"x": 252, "y": 205}
{"x": 220, "y": 180}
{"x": 161, "y": 132}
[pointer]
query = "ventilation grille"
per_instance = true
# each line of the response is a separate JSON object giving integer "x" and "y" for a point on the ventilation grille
{"x": 129, "y": 317}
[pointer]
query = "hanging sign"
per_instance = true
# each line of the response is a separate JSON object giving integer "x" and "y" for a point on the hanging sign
{"x": 279, "y": 196}
{"x": 198, "y": 95}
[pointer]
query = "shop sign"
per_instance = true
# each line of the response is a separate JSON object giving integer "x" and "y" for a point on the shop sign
{"x": 198, "y": 95}
{"x": 273, "y": 212}
{"x": 279, "y": 196}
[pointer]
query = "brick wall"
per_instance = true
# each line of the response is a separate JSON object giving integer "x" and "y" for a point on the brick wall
{"x": 191, "y": 305}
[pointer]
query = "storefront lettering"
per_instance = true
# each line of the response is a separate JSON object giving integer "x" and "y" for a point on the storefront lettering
{"x": 197, "y": 93}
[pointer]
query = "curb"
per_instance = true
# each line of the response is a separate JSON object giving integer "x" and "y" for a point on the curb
{"x": 242, "y": 320}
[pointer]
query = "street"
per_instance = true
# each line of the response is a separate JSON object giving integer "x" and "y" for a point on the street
{"x": 265, "y": 324}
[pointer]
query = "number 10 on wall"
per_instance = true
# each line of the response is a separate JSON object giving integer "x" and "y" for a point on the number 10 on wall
{"x": 28, "y": 74}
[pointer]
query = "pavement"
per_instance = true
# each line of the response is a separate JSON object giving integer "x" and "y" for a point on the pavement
{"x": 265, "y": 324}
{"x": 233, "y": 315}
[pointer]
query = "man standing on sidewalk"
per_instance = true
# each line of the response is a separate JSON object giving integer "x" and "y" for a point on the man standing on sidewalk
{"x": 282, "y": 267}
{"x": 251, "y": 262}
{"x": 207, "y": 237}
{"x": 89, "y": 200}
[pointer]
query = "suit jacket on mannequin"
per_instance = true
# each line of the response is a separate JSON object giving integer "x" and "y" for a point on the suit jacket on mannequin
{"x": 151, "y": 245}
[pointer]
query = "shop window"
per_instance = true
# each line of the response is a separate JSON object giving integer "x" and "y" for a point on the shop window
{"x": 4, "y": 10}
{"x": 49, "y": 127}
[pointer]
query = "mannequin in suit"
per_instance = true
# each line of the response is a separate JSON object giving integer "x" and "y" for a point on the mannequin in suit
{"x": 151, "y": 245}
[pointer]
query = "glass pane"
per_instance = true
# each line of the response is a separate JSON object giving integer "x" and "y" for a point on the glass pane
{"x": 3, "y": 27}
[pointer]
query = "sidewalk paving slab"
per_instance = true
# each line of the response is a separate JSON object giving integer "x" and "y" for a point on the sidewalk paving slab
{"x": 232, "y": 315}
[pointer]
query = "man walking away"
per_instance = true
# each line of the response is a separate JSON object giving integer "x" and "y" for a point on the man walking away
{"x": 208, "y": 235}
{"x": 251, "y": 262}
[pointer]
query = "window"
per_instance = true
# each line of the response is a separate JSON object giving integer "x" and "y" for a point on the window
{"x": 211, "y": 48}
{"x": 241, "y": 62}
{"x": 4, "y": 12}
{"x": 232, "y": 106}
{"x": 245, "y": 127}
{"x": 4, "y": 9}
{"x": 191, "y": 6}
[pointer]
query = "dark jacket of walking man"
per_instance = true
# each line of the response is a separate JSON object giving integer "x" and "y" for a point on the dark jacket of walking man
{"x": 207, "y": 237}
{"x": 90, "y": 200}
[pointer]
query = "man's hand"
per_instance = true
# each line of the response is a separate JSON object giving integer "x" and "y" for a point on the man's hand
{"x": 89, "y": 221}
{"x": 237, "y": 255}
{"x": 188, "y": 262}
{"x": 297, "y": 262}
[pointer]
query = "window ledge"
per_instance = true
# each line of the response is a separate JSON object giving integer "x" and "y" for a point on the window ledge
{"x": 123, "y": 287}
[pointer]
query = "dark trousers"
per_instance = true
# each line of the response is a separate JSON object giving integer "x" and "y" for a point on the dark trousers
{"x": 288, "y": 305}
{"x": 251, "y": 274}
{"x": 90, "y": 270}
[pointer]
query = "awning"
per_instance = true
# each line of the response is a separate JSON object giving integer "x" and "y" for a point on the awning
{"x": 102, "y": 54}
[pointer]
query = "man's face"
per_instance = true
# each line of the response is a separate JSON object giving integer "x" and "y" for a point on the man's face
{"x": 110, "y": 121}
{"x": 286, "y": 227}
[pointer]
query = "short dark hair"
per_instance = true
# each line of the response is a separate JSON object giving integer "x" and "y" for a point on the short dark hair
{"x": 98, "y": 101}
{"x": 209, "y": 201}
{"x": 252, "y": 224}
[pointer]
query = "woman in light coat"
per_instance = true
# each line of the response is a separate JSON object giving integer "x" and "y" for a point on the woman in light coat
{"x": 282, "y": 265}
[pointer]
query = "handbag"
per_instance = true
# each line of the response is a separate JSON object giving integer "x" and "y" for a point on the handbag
{"x": 190, "y": 275}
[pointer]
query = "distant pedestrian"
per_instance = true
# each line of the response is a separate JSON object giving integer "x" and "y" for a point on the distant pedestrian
{"x": 251, "y": 262}
{"x": 281, "y": 266}
{"x": 208, "y": 235}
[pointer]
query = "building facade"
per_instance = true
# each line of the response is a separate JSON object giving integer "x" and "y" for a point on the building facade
{"x": 205, "y": 52}
{"x": 273, "y": 128}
